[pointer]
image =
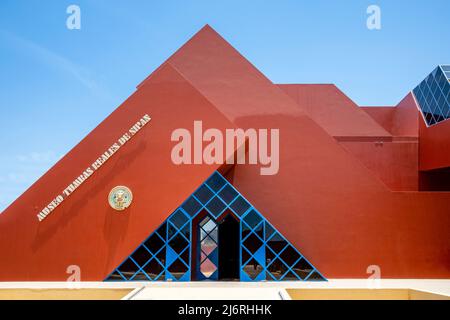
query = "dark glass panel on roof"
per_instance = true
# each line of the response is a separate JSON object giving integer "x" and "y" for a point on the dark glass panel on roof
{"x": 433, "y": 97}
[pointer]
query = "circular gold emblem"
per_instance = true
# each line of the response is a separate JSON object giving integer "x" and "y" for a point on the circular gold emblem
{"x": 120, "y": 198}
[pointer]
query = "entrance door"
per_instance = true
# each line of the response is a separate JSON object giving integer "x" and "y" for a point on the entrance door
{"x": 229, "y": 249}
{"x": 217, "y": 256}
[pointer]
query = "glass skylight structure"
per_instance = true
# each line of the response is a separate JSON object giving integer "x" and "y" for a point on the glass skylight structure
{"x": 433, "y": 95}
{"x": 194, "y": 242}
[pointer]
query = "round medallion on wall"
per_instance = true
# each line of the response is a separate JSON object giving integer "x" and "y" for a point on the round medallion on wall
{"x": 120, "y": 198}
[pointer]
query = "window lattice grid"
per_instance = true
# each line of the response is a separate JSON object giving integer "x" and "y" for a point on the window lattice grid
{"x": 433, "y": 96}
{"x": 276, "y": 256}
{"x": 263, "y": 250}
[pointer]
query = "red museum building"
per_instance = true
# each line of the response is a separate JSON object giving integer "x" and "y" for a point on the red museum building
{"x": 356, "y": 186}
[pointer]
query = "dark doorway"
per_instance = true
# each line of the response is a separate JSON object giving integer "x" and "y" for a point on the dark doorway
{"x": 229, "y": 249}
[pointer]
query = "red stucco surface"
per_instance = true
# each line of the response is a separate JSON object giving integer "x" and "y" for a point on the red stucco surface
{"x": 435, "y": 146}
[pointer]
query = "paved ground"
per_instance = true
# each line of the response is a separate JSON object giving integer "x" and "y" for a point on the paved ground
{"x": 233, "y": 290}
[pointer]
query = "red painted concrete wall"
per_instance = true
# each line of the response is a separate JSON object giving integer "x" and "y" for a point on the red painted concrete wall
{"x": 405, "y": 122}
{"x": 394, "y": 163}
{"x": 331, "y": 109}
{"x": 434, "y": 146}
{"x": 324, "y": 200}
{"x": 384, "y": 116}
{"x": 384, "y": 139}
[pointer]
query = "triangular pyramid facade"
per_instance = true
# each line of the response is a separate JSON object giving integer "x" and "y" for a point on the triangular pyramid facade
{"x": 264, "y": 254}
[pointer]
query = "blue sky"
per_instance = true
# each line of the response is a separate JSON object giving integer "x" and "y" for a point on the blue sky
{"x": 57, "y": 84}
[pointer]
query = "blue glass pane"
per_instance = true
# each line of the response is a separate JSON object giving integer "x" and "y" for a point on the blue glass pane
{"x": 153, "y": 269}
{"x": 204, "y": 194}
{"x": 178, "y": 243}
{"x": 185, "y": 256}
{"x": 417, "y": 93}
{"x": 246, "y": 255}
{"x": 154, "y": 243}
{"x": 290, "y": 255}
{"x": 252, "y": 243}
{"x": 177, "y": 269}
{"x": 216, "y": 182}
{"x": 216, "y": 206}
{"x": 253, "y": 269}
{"x": 315, "y": 276}
{"x": 171, "y": 231}
{"x": 116, "y": 276}
{"x": 228, "y": 194}
{"x": 446, "y": 91}
{"x": 252, "y": 219}
{"x": 277, "y": 269}
{"x": 277, "y": 243}
{"x": 442, "y": 80}
{"x": 141, "y": 256}
{"x": 191, "y": 206}
{"x": 128, "y": 269}
{"x": 140, "y": 276}
{"x": 302, "y": 268}
{"x": 269, "y": 230}
{"x": 240, "y": 206}
{"x": 178, "y": 219}
{"x": 186, "y": 231}
{"x": 430, "y": 119}
{"x": 162, "y": 231}
{"x": 290, "y": 276}
{"x": 445, "y": 108}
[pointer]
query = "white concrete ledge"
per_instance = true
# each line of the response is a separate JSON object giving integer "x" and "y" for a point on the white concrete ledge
{"x": 235, "y": 290}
